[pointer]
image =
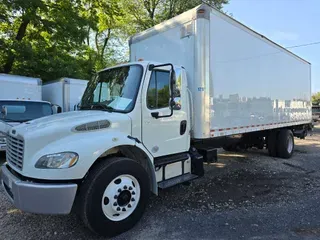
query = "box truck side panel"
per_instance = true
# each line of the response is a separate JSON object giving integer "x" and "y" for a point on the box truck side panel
{"x": 200, "y": 85}
{"x": 169, "y": 45}
{"x": 52, "y": 92}
{"x": 15, "y": 89}
{"x": 255, "y": 83}
{"x": 76, "y": 90}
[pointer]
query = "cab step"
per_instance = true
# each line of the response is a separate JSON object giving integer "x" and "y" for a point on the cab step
{"x": 162, "y": 161}
{"x": 177, "y": 180}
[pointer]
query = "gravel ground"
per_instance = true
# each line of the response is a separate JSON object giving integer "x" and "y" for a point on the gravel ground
{"x": 246, "y": 195}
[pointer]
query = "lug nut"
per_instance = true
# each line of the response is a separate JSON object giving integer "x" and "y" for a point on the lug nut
{"x": 125, "y": 187}
{"x": 129, "y": 205}
{"x": 119, "y": 190}
{"x": 133, "y": 193}
{"x": 132, "y": 199}
{"x": 130, "y": 188}
{"x": 123, "y": 209}
{"x": 115, "y": 204}
{"x": 118, "y": 209}
{"x": 115, "y": 196}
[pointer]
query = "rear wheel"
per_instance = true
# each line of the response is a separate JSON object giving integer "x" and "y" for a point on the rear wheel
{"x": 114, "y": 196}
{"x": 230, "y": 148}
{"x": 227, "y": 148}
{"x": 285, "y": 146}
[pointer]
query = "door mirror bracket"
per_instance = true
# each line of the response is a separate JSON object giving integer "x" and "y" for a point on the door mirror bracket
{"x": 155, "y": 115}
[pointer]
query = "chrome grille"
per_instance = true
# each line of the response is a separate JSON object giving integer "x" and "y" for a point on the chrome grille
{"x": 14, "y": 151}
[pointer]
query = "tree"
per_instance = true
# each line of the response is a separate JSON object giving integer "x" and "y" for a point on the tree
{"x": 147, "y": 13}
{"x": 108, "y": 20}
{"x": 316, "y": 98}
{"x": 43, "y": 36}
{"x": 74, "y": 38}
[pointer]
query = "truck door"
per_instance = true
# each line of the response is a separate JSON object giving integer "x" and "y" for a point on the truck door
{"x": 165, "y": 135}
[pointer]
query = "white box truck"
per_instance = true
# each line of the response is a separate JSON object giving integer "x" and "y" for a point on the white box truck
{"x": 206, "y": 81}
{"x": 23, "y": 95}
{"x": 65, "y": 92}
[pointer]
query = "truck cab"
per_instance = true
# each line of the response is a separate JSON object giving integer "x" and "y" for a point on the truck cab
{"x": 21, "y": 101}
{"x": 131, "y": 118}
{"x": 19, "y": 111}
{"x": 159, "y": 101}
{"x": 316, "y": 113}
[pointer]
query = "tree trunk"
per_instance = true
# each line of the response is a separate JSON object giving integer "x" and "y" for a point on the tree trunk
{"x": 105, "y": 44}
{"x": 21, "y": 33}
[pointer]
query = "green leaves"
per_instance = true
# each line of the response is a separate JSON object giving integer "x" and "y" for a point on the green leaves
{"x": 316, "y": 98}
{"x": 73, "y": 38}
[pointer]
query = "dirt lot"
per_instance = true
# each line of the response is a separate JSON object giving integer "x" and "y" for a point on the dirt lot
{"x": 245, "y": 195}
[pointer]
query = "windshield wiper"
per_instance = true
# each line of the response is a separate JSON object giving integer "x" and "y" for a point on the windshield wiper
{"x": 10, "y": 120}
{"x": 103, "y": 106}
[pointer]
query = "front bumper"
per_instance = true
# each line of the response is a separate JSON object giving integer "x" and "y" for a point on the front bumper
{"x": 44, "y": 198}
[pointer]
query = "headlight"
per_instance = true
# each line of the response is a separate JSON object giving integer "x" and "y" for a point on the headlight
{"x": 58, "y": 160}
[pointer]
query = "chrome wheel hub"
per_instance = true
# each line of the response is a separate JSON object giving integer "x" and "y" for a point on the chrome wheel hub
{"x": 121, "y": 197}
{"x": 290, "y": 144}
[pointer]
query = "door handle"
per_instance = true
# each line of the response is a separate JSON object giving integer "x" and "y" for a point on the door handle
{"x": 183, "y": 127}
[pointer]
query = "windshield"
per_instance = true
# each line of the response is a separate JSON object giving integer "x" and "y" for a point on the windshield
{"x": 316, "y": 110}
{"x": 114, "y": 89}
{"x": 22, "y": 111}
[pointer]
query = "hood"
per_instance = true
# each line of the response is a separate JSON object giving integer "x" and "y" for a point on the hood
{"x": 59, "y": 125}
{"x": 6, "y": 126}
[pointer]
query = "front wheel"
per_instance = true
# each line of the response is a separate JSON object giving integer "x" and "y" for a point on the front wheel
{"x": 114, "y": 195}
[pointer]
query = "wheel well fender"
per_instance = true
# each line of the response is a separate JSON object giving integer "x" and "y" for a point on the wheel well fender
{"x": 137, "y": 153}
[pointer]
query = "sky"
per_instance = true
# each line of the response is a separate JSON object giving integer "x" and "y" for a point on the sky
{"x": 286, "y": 22}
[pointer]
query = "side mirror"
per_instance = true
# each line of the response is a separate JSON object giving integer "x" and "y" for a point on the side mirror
{"x": 173, "y": 78}
{"x": 56, "y": 108}
{"x": 4, "y": 111}
{"x": 172, "y": 86}
{"x": 76, "y": 107}
{"x": 172, "y": 103}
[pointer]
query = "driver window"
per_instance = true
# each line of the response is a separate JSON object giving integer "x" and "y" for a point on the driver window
{"x": 158, "y": 95}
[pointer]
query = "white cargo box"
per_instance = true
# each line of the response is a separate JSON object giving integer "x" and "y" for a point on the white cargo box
{"x": 19, "y": 87}
{"x": 240, "y": 80}
{"x": 65, "y": 92}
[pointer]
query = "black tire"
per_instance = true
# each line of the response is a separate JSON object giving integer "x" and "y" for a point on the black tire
{"x": 272, "y": 143}
{"x": 230, "y": 148}
{"x": 284, "y": 138}
{"x": 92, "y": 189}
{"x": 227, "y": 148}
